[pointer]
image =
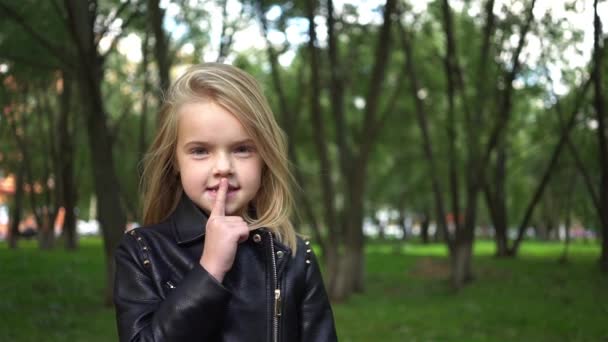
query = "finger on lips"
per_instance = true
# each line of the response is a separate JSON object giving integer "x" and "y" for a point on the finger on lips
{"x": 219, "y": 207}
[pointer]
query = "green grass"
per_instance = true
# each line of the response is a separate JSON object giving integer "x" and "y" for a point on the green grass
{"x": 57, "y": 296}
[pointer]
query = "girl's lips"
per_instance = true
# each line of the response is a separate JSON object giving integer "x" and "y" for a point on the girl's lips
{"x": 213, "y": 192}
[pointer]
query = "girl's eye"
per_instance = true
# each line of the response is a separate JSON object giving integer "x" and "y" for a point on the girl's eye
{"x": 244, "y": 150}
{"x": 198, "y": 151}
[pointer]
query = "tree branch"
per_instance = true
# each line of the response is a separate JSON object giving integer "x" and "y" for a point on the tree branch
{"x": 118, "y": 37}
{"x": 547, "y": 173}
{"x": 17, "y": 18}
{"x": 109, "y": 22}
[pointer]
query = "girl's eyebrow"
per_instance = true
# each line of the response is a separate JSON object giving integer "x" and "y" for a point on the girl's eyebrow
{"x": 206, "y": 143}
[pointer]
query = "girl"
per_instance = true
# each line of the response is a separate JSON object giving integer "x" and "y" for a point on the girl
{"x": 218, "y": 259}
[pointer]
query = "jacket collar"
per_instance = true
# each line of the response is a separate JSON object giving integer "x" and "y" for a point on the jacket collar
{"x": 189, "y": 223}
{"x": 188, "y": 220}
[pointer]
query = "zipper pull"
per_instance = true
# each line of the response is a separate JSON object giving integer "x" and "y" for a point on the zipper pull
{"x": 277, "y": 302}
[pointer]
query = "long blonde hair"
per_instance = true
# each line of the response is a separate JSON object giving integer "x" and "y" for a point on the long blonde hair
{"x": 239, "y": 93}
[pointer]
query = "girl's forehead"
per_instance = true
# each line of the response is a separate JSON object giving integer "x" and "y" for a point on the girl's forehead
{"x": 210, "y": 121}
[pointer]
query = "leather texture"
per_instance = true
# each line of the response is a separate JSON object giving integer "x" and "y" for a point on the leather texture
{"x": 162, "y": 293}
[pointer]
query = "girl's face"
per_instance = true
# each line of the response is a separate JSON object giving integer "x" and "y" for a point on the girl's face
{"x": 211, "y": 144}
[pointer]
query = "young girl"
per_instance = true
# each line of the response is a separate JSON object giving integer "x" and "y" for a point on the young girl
{"x": 218, "y": 258}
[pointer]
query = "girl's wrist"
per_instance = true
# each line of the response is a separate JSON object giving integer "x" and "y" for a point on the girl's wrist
{"x": 218, "y": 275}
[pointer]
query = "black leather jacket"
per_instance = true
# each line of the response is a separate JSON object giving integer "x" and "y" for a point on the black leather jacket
{"x": 162, "y": 293}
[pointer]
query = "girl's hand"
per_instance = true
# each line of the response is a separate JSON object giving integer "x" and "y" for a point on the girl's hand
{"x": 222, "y": 236}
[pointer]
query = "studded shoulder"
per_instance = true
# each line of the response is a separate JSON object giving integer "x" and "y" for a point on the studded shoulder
{"x": 143, "y": 248}
{"x": 308, "y": 251}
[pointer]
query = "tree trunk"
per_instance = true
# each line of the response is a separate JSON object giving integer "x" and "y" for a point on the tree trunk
{"x": 424, "y": 228}
{"x": 66, "y": 166}
{"x": 564, "y": 257}
{"x": 350, "y": 266}
{"x": 161, "y": 44}
{"x": 461, "y": 254}
{"x": 17, "y": 208}
{"x": 46, "y": 233}
{"x": 110, "y": 213}
{"x": 604, "y": 254}
{"x": 334, "y": 255}
{"x": 143, "y": 122}
{"x": 421, "y": 116}
{"x": 461, "y": 264}
{"x": 380, "y": 225}
{"x": 358, "y": 240}
{"x": 343, "y": 286}
{"x": 602, "y": 134}
{"x": 402, "y": 224}
{"x": 497, "y": 202}
{"x": 500, "y": 229}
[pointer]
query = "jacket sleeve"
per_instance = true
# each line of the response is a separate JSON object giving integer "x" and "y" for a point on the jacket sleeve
{"x": 192, "y": 311}
{"x": 317, "y": 318}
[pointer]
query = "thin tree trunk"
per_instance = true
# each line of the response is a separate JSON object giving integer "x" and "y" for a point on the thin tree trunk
{"x": 144, "y": 97}
{"x": 46, "y": 232}
{"x": 403, "y": 225}
{"x": 17, "y": 208}
{"x": 357, "y": 181}
{"x": 421, "y": 116}
{"x": 564, "y": 257}
{"x": 500, "y": 231}
{"x": 451, "y": 67}
{"x": 500, "y": 201}
{"x": 568, "y": 208}
{"x": 161, "y": 44}
{"x": 320, "y": 143}
{"x": 600, "y": 110}
{"x": 228, "y": 30}
{"x": 424, "y": 227}
{"x": 289, "y": 119}
{"x": 66, "y": 165}
{"x": 17, "y": 129}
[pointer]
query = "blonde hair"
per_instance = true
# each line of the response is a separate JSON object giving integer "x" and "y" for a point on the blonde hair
{"x": 239, "y": 93}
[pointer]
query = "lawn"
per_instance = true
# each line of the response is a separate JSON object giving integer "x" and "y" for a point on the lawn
{"x": 57, "y": 296}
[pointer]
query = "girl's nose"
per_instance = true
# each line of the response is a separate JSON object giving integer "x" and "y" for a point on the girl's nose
{"x": 223, "y": 165}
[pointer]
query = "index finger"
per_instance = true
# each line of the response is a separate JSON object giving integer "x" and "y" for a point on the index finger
{"x": 219, "y": 207}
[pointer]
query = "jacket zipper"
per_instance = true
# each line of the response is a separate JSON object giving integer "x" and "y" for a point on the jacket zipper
{"x": 277, "y": 293}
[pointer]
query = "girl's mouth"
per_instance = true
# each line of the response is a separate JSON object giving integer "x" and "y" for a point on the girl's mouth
{"x": 231, "y": 190}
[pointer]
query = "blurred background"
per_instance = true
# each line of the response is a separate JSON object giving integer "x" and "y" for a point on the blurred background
{"x": 452, "y": 155}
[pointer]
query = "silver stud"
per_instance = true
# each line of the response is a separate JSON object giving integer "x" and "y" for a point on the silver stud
{"x": 139, "y": 238}
{"x": 146, "y": 262}
{"x": 279, "y": 254}
{"x": 132, "y": 232}
{"x": 257, "y": 238}
{"x": 145, "y": 248}
{"x": 308, "y": 251}
{"x": 308, "y": 261}
{"x": 307, "y": 242}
